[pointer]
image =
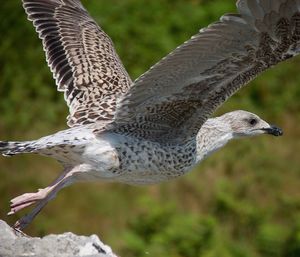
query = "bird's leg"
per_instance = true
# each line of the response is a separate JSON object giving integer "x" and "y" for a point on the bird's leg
{"x": 41, "y": 198}
{"x": 27, "y": 199}
{"x": 26, "y": 220}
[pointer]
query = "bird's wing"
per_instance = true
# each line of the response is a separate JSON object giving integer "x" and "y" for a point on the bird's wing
{"x": 176, "y": 96}
{"x": 82, "y": 58}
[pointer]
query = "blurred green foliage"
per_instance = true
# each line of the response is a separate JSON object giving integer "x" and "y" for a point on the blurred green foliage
{"x": 243, "y": 201}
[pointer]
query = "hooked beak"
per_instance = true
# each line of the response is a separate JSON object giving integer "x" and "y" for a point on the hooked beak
{"x": 273, "y": 130}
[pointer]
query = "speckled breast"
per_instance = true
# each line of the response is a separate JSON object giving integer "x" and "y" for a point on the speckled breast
{"x": 146, "y": 162}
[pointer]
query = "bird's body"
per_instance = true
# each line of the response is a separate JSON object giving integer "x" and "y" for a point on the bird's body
{"x": 157, "y": 127}
{"x": 118, "y": 158}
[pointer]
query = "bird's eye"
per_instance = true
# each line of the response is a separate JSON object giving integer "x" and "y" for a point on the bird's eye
{"x": 253, "y": 122}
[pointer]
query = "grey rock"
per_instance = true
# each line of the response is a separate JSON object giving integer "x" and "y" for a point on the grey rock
{"x": 14, "y": 244}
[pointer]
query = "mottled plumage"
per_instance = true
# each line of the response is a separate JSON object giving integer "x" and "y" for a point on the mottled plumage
{"x": 157, "y": 127}
{"x": 178, "y": 94}
{"x": 82, "y": 58}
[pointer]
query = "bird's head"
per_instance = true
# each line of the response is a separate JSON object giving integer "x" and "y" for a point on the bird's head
{"x": 245, "y": 124}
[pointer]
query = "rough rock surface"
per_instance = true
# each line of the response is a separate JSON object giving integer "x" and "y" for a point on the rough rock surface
{"x": 64, "y": 245}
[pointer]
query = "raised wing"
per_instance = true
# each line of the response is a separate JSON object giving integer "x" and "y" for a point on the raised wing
{"x": 82, "y": 58}
{"x": 171, "y": 101}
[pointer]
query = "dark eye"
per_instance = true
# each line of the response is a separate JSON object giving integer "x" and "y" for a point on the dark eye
{"x": 253, "y": 121}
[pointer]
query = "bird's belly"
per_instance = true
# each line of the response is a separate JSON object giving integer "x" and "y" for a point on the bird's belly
{"x": 132, "y": 161}
{"x": 145, "y": 178}
{"x": 145, "y": 168}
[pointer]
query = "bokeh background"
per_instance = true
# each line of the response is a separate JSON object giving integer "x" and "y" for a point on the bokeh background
{"x": 242, "y": 201}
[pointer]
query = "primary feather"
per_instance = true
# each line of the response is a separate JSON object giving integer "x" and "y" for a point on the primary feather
{"x": 171, "y": 101}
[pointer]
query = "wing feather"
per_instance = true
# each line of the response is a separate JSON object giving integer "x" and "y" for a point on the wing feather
{"x": 82, "y": 58}
{"x": 171, "y": 101}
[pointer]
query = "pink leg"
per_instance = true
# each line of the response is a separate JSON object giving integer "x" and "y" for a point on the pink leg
{"x": 27, "y": 199}
{"x": 20, "y": 202}
{"x": 26, "y": 220}
{"x": 41, "y": 198}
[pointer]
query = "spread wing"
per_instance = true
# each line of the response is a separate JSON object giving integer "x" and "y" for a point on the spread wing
{"x": 171, "y": 101}
{"x": 82, "y": 58}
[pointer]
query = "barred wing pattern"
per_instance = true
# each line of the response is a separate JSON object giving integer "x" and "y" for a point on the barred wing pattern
{"x": 171, "y": 101}
{"x": 82, "y": 58}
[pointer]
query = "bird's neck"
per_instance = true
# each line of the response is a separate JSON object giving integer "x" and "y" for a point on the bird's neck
{"x": 213, "y": 135}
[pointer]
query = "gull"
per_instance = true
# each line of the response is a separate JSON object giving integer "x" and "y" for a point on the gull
{"x": 159, "y": 126}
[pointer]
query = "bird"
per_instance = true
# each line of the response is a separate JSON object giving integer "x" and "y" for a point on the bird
{"x": 159, "y": 126}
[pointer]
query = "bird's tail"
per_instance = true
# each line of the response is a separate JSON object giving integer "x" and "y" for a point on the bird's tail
{"x": 57, "y": 145}
{"x": 9, "y": 148}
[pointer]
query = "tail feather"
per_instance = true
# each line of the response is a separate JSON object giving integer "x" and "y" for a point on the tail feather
{"x": 8, "y": 148}
{"x": 65, "y": 146}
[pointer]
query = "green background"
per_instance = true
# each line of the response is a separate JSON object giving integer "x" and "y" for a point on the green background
{"x": 242, "y": 201}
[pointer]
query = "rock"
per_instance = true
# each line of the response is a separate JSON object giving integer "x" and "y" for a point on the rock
{"x": 63, "y": 245}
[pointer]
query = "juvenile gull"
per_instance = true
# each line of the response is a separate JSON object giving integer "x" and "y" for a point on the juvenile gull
{"x": 157, "y": 127}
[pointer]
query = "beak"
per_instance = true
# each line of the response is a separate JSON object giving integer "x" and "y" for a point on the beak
{"x": 273, "y": 130}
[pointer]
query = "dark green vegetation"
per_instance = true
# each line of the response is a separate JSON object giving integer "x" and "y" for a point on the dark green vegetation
{"x": 242, "y": 201}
